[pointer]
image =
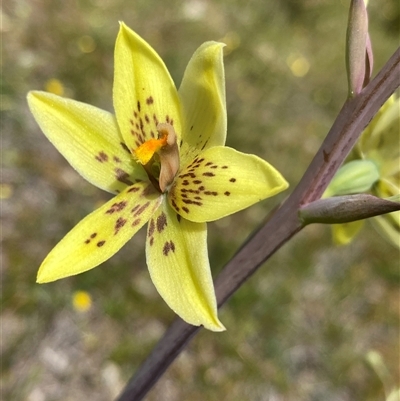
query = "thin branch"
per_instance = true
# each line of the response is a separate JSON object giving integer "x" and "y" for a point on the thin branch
{"x": 352, "y": 119}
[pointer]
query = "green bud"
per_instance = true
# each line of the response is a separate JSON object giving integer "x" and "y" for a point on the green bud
{"x": 344, "y": 209}
{"x": 354, "y": 177}
{"x": 358, "y": 48}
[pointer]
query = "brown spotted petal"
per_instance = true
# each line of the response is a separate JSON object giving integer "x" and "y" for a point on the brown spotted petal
{"x": 144, "y": 94}
{"x": 221, "y": 181}
{"x": 101, "y": 234}
{"x": 202, "y": 93}
{"x": 176, "y": 253}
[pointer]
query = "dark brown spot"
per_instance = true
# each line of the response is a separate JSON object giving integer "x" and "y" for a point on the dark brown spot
{"x": 213, "y": 193}
{"x": 116, "y": 207}
{"x": 125, "y": 147}
{"x": 155, "y": 119}
{"x": 152, "y": 227}
{"x": 87, "y": 241}
{"x": 168, "y": 247}
{"x": 147, "y": 191}
{"x": 197, "y": 182}
{"x": 191, "y": 202}
{"x": 135, "y": 222}
{"x": 119, "y": 224}
{"x": 175, "y": 205}
{"x": 150, "y": 100}
{"x": 224, "y": 167}
{"x": 93, "y": 235}
{"x": 146, "y": 117}
{"x": 185, "y": 209}
{"x": 191, "y": 175}
{"x": 138, "y": 106}
{"x": 209, "y": 174}
{"x": 227, "y": 193}
{"x": 178, "y": 217}
{"x": 208, "y": 164}
{"x": 232, "y": 180}
{"x": 205, "y": 144}
{"x": 117, "y": 159}
{"x": 151, "y": 241}
{"x": 201, "y": 188}
{"x": 101, "y": 157}
{"x": 185, "y": 182}
{"x": 215, "y": 166}
{"x": 167, "y": 118}
{"x": 123, "y": 176}
{"x": 133, "y": 189}
{"x": 191, "y": 127}
{"x": 142, "y": 209}
{"x": 101, "y": 243}
{"x": 161, "y": 222}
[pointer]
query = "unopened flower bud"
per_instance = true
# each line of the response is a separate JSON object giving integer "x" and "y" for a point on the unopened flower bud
{"x": 354, "y": 177}
{"x": 358, "y": 48}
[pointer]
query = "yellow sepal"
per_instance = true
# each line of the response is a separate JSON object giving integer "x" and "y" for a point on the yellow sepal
{"x": 100, "y": 234}
{"x": 176, "y": 253}
{"x": 343, "y": 234}
{"x": 88, "y": 138}
{"x": 221, "y": 181}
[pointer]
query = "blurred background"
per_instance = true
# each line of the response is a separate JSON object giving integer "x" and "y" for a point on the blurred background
{"x": 317, "y": 322}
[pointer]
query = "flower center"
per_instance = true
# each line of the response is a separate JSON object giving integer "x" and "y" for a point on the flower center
{"x": 160, "y": 157}
{"x": 146, "y": 150}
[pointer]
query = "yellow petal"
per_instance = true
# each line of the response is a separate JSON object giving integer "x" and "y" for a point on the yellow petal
{"x": 88, "y": 138}
{"x": 144, "y": 93}
{"x": 221, "y": 181}
{"x": 176, "y": 252}
{"x": 343, "y": 234}
{"x": 101, "y": 234}
{"x": 202, "y": 94}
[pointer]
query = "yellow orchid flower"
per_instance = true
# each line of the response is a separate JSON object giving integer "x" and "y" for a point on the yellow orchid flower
{"x": 163, "y": 155}
{"x": 376, "y": 169}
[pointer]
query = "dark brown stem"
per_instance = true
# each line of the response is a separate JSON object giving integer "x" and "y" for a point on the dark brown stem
{"x": 284, "y": 223}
